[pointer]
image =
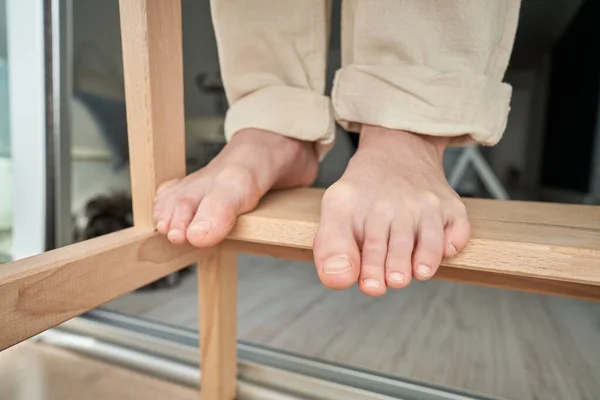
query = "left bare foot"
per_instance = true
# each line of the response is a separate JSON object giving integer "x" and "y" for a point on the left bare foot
{"x": 391, "y": 216}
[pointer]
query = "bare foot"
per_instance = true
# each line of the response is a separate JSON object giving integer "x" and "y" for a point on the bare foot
{"x": 202, "y": 207}
{"x": 391, "y": 216}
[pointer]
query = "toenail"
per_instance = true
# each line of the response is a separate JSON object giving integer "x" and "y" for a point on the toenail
{"x": 161, "y": 225}
{"x": 396, "y": 277}
{"x": 200, "y": 227}
{"x": 372, "y": 283}
{"x": 174, "y": 234}
{"x": 424, "y": 270}
{"x": 337, "y": 265}
{"x": 452, "y": 250}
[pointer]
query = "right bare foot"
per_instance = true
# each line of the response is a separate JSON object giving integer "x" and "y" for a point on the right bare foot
{"x": 202, "y": 207}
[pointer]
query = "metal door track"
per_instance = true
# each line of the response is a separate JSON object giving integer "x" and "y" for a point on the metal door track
{"x": 172, "y": 353}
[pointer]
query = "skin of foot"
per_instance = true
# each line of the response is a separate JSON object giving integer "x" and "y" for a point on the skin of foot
{"x": 202, "y": 207}
{"x": 390, "y": 217}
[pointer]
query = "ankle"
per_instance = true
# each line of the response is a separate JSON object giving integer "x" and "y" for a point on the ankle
{"x": 273, "y": 159}
{"x": 376, "y": 136}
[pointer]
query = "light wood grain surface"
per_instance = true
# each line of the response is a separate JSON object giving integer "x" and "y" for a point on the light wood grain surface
{"x": 42, "y": 291}
{"x": 504, "y": 343}
{"x": 545, "y": 246}
{"x": 153, "y": 72}
{"x": 33, "y": 371}
{"x": 218, "y": 280}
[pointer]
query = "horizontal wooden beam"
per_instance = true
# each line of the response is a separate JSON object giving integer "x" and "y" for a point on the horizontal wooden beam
{"x": 544, "y": 248}
{"x": 554, "y": 242}
{"x": 445, "y": 273}
{"x": 40, "y": 292}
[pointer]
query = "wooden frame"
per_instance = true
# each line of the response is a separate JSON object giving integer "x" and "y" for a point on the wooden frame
{"x": 546, "y": 248}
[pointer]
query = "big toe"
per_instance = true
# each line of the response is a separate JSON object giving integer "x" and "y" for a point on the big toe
{"x": 214, "y": 219}
{"x": 233, "y": 192}
{"x": 336, "y": 252}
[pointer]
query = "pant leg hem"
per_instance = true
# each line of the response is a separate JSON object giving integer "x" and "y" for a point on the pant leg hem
{"x": 421, "y": 100}
{"x": 289, "y": 111}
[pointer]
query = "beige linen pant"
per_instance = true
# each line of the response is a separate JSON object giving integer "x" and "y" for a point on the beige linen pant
{"x": 431, "y": 67}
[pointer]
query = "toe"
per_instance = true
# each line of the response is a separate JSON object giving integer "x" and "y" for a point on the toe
{"x": 232, "y": 192}
{"x": 184, "y": 211}
{"x": 336, "y": 252}
{"x": 374, "y": 253}
{"x": 457, "y": 231}
{"x": 164, "y": 206}
{"x": 429, "y": 247}
{"x": 398, "y": 267}
{"x": 214, "y": 219}
{"x": 163, "y": 213}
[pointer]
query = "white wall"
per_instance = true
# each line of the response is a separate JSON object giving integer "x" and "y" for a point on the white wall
{"x": 4, "y": 128}
{"x": 2, "y": 28}
{"x": 27, "y": 125}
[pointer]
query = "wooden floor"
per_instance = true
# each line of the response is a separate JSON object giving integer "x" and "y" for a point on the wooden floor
{"x": 507, "y": 344}
{"x": 31, "y": 371}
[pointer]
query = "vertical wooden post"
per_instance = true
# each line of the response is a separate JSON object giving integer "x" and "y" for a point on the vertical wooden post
{"x": 217, "y": 275}
{"x": 153, "y": 68}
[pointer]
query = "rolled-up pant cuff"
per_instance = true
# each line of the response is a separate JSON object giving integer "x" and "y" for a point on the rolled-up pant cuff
{"x": 293, "y": 112}
{"x": 469, "y": 108}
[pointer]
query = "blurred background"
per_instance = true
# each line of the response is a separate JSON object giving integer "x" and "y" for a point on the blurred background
{"x": 64, "y": 177}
